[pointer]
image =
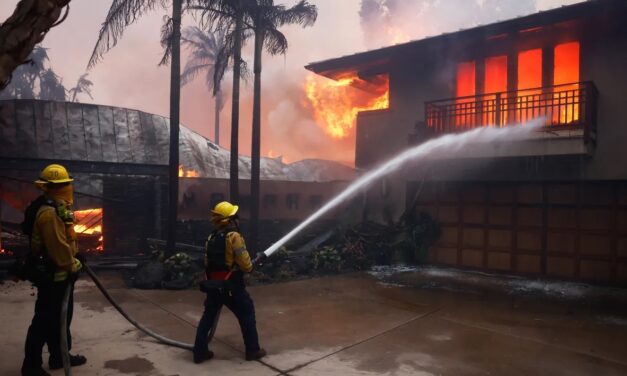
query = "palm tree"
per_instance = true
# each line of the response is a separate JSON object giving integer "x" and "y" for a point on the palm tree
{"x": 83, "y": 85}
{"x": 26, "y": 27}
{"x": 123, "y": 13}
{"x": 35, "y": 73}
{"x": 205, "y": 47}
{"x": 265, "y": 19}
{"x": 51, "y": 87}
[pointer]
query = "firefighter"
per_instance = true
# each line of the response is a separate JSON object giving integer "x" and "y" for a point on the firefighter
{"x": 226, "y": 261}
{"x": 49, "y": 223}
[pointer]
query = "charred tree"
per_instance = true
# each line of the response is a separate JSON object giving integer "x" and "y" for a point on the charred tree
{"x": 175, "y": 102}
{"x": 26, "y": 27}
{"x": 237, "y": 66}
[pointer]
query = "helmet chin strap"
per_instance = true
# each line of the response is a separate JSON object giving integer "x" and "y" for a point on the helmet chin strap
{"x": 235, "y": 222}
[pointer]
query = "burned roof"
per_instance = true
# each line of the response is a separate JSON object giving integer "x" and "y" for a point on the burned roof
{"x": 374, "y": 62}
{"x": 105, "y": 135}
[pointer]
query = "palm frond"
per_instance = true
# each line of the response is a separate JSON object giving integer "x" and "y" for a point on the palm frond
{"x": 167, "y": 38}
{"x": 122, "y": 13}
{"x": 275, "y": 42}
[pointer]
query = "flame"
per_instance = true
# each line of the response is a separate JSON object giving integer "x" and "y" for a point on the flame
{"x": 100, "y": 246}
{"x": 89, "y": 222}
{"x": 336, "y": 103}
{"x": 271, "y": 154}
{"x": 185, "y": 173}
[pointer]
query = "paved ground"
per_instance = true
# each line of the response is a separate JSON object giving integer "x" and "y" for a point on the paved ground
{"x": 342, "y": 325}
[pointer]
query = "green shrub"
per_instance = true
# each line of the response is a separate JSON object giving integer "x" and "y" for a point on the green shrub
{"x": 179, "y": 266}
{"x": 327, "y": 259}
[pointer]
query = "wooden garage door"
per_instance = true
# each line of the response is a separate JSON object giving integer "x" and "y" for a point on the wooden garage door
{"x": 575, "y": 231}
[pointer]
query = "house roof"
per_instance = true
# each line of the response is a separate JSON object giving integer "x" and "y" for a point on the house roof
{"x": 32, "y": 129}
{"x": 373, "y": 62}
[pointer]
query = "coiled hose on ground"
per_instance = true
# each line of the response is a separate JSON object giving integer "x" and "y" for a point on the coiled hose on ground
{"x": 158, "y": 337}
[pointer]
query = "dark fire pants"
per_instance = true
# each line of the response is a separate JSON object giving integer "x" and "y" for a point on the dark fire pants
{"x": 242, "y": 306}
{"x": 46, "y": 324}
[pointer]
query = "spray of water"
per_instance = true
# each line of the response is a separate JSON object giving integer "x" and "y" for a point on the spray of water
{"x": 444, "y": 146}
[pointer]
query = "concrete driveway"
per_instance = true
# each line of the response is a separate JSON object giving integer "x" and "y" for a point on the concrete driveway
{"x": 340, "y": 325}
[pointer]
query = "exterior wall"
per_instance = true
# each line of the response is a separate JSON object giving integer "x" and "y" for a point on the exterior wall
{"x": 430, "y": 75}
{"x": 280, "y": 200}
{"x": 575, "y": 231}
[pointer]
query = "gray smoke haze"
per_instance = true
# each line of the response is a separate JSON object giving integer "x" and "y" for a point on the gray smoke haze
{"x": 415, "y": 19}
{"x": 129, "y": 76}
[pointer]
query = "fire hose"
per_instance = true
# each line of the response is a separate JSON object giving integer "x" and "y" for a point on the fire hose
{"x": 166, "y": 341}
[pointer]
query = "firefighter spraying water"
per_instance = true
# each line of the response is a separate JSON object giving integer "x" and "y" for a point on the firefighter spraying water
{"x": 227, "y": 257}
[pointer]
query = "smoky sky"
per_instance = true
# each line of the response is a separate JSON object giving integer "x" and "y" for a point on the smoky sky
{"x": 420, "y": 18}
{"x": 129, "y": 76}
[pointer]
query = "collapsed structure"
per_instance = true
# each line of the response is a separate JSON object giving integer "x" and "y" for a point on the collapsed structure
{"x": 119, "y": 158}
{"x": 553, "y": 205}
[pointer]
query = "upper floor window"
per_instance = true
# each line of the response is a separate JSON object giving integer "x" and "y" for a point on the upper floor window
{"x": 529, "y": 69}
{"x": 291, "y": 200}
{"x": 465, "y": 79}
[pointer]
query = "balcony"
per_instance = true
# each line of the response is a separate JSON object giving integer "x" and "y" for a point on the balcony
{"x": 568, "y": 111}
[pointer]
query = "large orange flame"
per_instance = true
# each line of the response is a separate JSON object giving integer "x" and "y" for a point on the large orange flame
{"x": 336, "y": 103}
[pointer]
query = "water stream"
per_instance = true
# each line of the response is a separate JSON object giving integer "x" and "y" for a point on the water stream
{"x": 449, "y": 146}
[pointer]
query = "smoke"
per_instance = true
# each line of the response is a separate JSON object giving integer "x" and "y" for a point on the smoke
{"x": 388, "y": 21}
{"x": 129, "y": 76}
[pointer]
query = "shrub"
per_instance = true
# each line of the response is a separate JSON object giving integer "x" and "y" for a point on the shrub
{"x": 327, "y": 259}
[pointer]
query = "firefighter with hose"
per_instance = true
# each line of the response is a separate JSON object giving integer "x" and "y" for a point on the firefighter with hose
{"x": 53, "y": 266}
{"x": 226, "y": 261}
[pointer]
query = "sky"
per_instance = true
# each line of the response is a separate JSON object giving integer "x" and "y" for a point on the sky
{"x": 129, "y": 75}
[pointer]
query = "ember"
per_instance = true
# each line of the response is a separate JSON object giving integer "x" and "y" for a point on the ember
{"x": 336, "y": 103}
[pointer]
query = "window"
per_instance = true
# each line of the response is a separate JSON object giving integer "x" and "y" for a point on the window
{"x": 315, "y": 201}
{"x": 465, "y": 79}
{"x": 566, "y": 71}
{"x": 529, "y": 77}
{"x": 495, "y": 81}
{"x": 530, "y": 69}
{"x": 465, "y": 110}
{"x": 269, "y": 201}
{"x": 291, "y": 201}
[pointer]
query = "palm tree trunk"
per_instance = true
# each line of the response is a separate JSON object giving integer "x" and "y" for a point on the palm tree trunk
{"x": 21, "y": 32}
{"x": 217, "y": 119}
{"x": 237, "y": 57}
{"x": 175, "y": 96}
{"x": 256, "y": 145}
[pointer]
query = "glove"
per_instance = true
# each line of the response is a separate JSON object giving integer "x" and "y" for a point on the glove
{"x": 259, "y": 259}
{"x": 78, "y": 265}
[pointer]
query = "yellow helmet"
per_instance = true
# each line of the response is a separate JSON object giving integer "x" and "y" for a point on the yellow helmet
{"x": 55, "y": 174}
{"x": 225, "y": 209}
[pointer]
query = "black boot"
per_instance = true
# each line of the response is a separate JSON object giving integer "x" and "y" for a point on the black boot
{"x": 75, "y": 361}
{"x": 34, "y": 371}
{"x": 202, "y": 357}
{"x": 255, "y": 355}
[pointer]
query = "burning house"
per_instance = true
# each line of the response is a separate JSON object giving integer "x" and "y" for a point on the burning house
{"x": 119, "y": 159}
{"x": 553, "y": 205}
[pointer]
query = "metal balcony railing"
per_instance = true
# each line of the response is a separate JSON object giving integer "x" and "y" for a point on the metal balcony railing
{"x": 571, "y": 105}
